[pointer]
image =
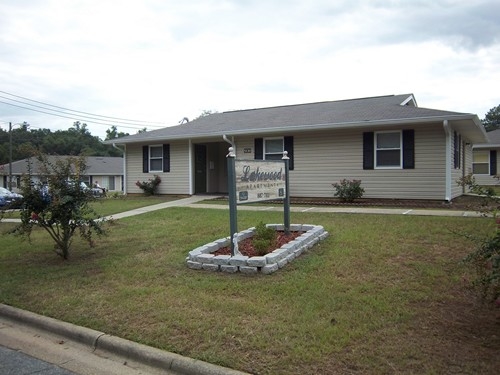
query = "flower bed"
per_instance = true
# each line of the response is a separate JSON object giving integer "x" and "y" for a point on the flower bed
{"x": 202, "y": 258}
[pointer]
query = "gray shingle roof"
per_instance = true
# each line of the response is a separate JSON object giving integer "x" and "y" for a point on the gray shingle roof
{"x": 333, "y": 114}
{"x": 494, "y": 140}
{"x": 96, "y": 165}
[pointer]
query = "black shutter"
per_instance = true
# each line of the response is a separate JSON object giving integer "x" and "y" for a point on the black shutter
{"x": 258, "y": 148}
{"x": 455, "y": 150}
{"x": 145, "y": 159}
{"x": 166, "y": 158}
{"x": 368, "y": 150}
{"x": 459, "y": 151}
{"x": 408, "y": 149}
{"x": 493, "y": 162}
{"x": 288, "y": 146}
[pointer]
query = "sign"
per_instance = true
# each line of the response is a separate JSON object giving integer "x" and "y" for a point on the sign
{"x": 259, "y": 180}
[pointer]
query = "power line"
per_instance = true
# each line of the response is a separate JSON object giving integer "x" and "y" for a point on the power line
{"x": 138, "y": 126}
{"x": 93, "y": 115}
{"x": 65, "y": 113}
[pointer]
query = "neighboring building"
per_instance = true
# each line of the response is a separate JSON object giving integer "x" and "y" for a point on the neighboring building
{"x": 486, "y": 159}
{"x": 106, "y": 171}
{"x": 395, "y": 148}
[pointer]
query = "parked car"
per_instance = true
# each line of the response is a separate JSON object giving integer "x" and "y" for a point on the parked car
{"x": 96, "y": 191}
{"x": 9, "y": 199}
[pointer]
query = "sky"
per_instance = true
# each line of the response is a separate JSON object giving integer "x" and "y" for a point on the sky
{"x": 150, "y": 63}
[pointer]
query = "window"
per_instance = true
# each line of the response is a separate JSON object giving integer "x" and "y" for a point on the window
{"x": 155, "y": 158}
{"x": 394, "y": 149}
{"x": 388, "y": 150}
{"x": 273, "y": 149}
{"x": 111, "y": 183}
{"x": 481, "y": 162}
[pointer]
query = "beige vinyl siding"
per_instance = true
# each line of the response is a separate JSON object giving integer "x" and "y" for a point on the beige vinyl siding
{"x": 174, "y": 182}
{"x": 323, "y": 158}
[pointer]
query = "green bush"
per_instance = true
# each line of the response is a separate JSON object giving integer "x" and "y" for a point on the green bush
{"x": 486, "y": 259}
{"x": 263, "y": 238}
{"x": 348, "y": 190}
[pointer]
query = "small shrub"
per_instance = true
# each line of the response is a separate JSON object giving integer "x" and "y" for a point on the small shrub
{"x": 263, "y": 238}
{"x": 486, "y": 261}
{"x": 348, "y": 190}
{"x": 486, "y": 258}
{"x": 150, "y": 186}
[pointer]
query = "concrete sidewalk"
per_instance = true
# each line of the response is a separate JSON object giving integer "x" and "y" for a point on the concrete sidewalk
{"x": 85, "y": 351}
{"x": 195, "y": 202}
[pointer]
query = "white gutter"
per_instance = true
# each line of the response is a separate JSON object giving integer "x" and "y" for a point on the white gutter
{"x": 231, "y": 142}
{"x": 124, "y": 182}
{"x": 447, "y": 134}
{"x": 191, "y": 167}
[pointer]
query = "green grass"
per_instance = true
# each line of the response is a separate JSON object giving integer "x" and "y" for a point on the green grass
{"x": 348, "y": 305}
{"x": 109, "y": 206}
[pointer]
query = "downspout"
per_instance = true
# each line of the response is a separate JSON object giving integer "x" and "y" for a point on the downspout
{"x": 191, "y": 167}
{"x": 231, "y": 142}
{"x": 124, "y": 178}
{"x": 447, "y": 133}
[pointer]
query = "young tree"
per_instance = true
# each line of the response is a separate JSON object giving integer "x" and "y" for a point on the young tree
{"x": 61, "y": 207}
{"x": 492, "y": 119}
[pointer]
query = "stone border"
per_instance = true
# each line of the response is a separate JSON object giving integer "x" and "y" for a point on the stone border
{"x": 202, "y": 258}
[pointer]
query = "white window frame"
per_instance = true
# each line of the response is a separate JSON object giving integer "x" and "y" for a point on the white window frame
{"x": 474, "y": 153}
{"x": 150, "y": 157}
{"x": 265, "y": 153}
{"x": 400, "y": 148}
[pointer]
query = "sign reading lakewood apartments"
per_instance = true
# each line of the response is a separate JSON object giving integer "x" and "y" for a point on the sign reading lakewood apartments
{"x": 259, "y": 180}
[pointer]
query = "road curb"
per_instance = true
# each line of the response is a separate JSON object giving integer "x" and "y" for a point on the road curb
{"x": 100, "y": 341}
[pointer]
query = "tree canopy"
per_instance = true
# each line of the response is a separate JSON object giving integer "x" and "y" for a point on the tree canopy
{"x": 74, "y": 141}
{"x": 492, "y": 119}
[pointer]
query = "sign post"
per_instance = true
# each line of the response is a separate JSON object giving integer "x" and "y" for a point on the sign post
{"x": 233, "y": 220}
{"x": 286, "y": 205}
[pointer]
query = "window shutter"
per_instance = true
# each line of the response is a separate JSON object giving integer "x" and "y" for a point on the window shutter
{"x": 459, "y": 151}
{"x": 258, "y": 148}
{"x": 493, "y": 162}
{"x": 145, "y": 159}
{"x": 368, "y": 150}
{"x": 288, "y": 146}
{"x": 408, "y": 149}
{"x": 166, "y": 158}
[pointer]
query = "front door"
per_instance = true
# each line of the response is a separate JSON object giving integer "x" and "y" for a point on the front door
{"x": 200, "y": 169}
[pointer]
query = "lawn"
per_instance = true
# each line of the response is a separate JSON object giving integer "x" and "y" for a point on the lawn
{"x": 109, "y": 206}
{"x": 383, "y": 294}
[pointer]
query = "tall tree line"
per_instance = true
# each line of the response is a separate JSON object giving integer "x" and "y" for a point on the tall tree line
{"x": 75, "y": 141}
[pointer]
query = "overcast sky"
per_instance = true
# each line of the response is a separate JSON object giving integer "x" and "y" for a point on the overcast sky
{"x": 162, "y": 60}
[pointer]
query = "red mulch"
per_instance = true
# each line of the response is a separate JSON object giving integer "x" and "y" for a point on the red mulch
{"x": 245, "y": 247}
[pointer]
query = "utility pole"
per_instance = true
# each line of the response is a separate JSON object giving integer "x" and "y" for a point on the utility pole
{"x": 10, "y": 156}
